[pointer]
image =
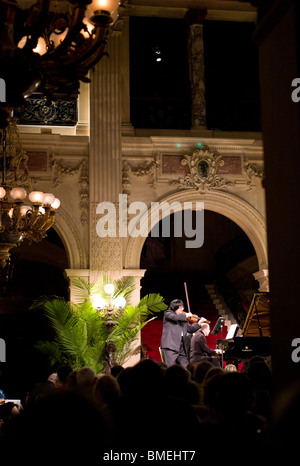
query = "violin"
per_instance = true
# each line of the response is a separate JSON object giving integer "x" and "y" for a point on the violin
{"x": 193, "y": 319}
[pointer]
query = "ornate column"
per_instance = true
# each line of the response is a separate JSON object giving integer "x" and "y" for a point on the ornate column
{"x": 105, "y": 156}
{"x": 195, "y": 19}
{"x": 127, "y": 128}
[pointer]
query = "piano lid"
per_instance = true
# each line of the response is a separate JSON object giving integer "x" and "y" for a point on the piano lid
{"x": 257, "y": 322}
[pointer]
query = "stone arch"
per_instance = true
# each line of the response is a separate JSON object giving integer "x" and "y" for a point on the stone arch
{"x": 237, "y": 210}
{"x": 69, "y": 235}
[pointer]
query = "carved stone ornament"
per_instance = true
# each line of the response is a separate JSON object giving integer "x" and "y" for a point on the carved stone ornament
{"x": 253, "y": 172}
{"x": 59, "y": 167}
{"x": 146, "y": 168}
{"x": 203, "y": 171}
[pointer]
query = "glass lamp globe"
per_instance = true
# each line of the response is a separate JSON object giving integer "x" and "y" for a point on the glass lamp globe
{"x": 98, "y": 302}
{"x": 18, "y": 194}
{"x": 109, "y": 289}
{"x": 49, "y": 198}
{"x": 119, "y": 302}
{"x": 36, "y": 197}
{"x": 2, "y": 192}
{"x": 105, "y": 5}
{"x": 55, "y": 204}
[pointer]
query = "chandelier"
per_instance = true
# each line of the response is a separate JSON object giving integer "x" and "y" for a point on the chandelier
{"x": 46, "y": 46}
{"x": 49, "y": 47}
{"x": 20, "y": 219}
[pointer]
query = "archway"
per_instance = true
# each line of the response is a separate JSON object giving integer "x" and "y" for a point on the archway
{"x": 247, "y": 230}
{"x": 237, "y": 210}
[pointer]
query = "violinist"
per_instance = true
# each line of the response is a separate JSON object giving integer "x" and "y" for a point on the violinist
{"x": 175, "y": 328}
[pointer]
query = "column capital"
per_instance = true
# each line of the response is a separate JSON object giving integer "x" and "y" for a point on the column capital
{"x": 195, "y": 16}
{"x": 262, "y": 276}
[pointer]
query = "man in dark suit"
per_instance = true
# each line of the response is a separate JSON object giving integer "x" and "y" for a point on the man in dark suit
{"x": 175, "y": 328}
{"x": 199, "y": 349}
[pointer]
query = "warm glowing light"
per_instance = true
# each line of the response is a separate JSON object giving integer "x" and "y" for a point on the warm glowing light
{"x": 55, "y": 204}
{"x": 36, "y": 197}
{"x": 18, "y": 193}
{"x": 105, "y": 5}
{"x": 22, "y": 42}
{"x": 57, "y": 39}
{"x": 24, "y": 209}
{"x": 109, "y": 289}
{"x": 49, "y": 198}
{"x": 98, "y": 302}
{"x": 2, "y": 192}
{"x": 41, "y": 47}
{"x": 90, "y": 27}
{"x": 119, "y": 302}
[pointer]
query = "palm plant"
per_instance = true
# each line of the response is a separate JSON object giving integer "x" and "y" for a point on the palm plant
{"x": 80, "y": 334}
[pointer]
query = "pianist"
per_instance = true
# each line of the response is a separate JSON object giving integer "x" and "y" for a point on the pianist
{"x": 199, "y": 350}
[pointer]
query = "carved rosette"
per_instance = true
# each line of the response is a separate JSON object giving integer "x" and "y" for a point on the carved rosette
{"x": 203, "y": 175}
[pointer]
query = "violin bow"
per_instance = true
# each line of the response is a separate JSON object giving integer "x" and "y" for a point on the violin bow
{"x": 187, "y": 297}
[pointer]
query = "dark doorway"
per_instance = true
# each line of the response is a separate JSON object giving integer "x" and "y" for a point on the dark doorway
{"x": 226, "y": 259}
{"x": 34, "y": 271}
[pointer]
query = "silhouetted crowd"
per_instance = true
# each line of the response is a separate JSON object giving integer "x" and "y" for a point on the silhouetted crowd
{"x": 219, "y": 414}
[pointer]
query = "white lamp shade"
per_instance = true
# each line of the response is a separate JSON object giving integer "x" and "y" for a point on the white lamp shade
{"x": 98, "y": 302}
{"x": 109, "y": 289}
{"x": 48, "y": 198}
{"x": 18, "y": 193}
{"x": 24, "y": 209}
{"x": 55, "y": 204}
{"x": 2, "y": 192}
{"x": 106, "y": 5}
{"x": 119, "y": 302}
{"x": 36, "y": 197}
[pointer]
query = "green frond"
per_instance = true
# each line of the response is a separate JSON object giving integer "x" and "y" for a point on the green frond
{"x": 52, "y": 349}
{"x": 124, "y": 287}
{"x": 154, "y": 303}
{"x": 82, "y": 289}
{"x": 81, "y": 336}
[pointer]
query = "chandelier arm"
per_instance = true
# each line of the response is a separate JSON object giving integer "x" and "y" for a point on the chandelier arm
{"x": 16, "y": 216}
{"x": 74, "y": 29}
{"x": 36, "y": 22}
{"x": 93, "y": 56}
{"x": 80, "y": 65}
{"x": 4, "y": 161}
{"x": 31, "y": 218}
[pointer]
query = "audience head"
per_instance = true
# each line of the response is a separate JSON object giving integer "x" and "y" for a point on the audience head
{"x": 85, "y": 377}
{"x": 62, "y": 373}
{"x": 106, "y": 389}
{"x": 230, "y": 368}
{"x": 201, "y": 370}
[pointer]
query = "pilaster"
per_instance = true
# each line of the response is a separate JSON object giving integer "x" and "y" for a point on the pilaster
{"x": 195, "y": 19}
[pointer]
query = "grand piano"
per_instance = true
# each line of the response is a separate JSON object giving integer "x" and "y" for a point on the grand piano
{"x": 255, "y": 338}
